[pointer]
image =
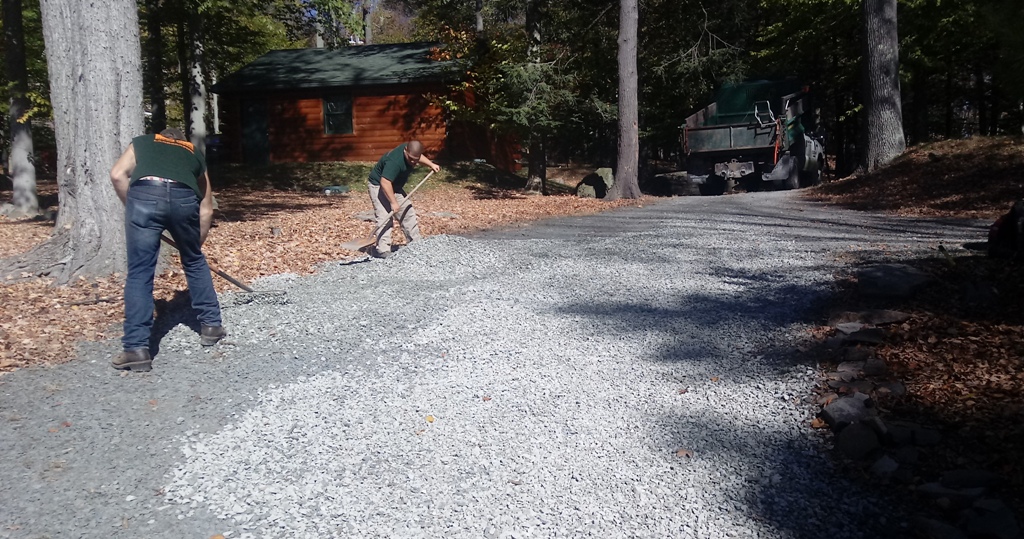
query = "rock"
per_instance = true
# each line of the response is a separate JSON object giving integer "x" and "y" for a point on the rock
{"x": 862, "y": 386}
{"x": 846, "y": 376}
{"x": 891, "y": 280}
{"x": 365, "y": 216}
{"x": 906, "y": 455}
{"x": 926, "y": 437}
{"x": 891, "y": 389}
{"x": 673, "y": 184}
{"x": 850, "y": 327}
{"x": 850, "y": 366}
{"x": 998, "y": 524}
{"x": 857, "y": 441}
{"x": 596, "y": 184}
{"x": 878, "y": 426}
{"x": 900, "y": 435}
{"x": 826, "y": 398}
{"x": 844, "y": 318}
{"x": 959, "y": 496}
{"x": 586, "y": 191}
{"x": 845, "y": 411}
{"x": 884, "y": 466}
{"x": 933, "y": 529}
{"x": 970, "y": 479}
{"x": 857, "y": 355}
{"x": 875, "y": 367}
{"x": 866, "y": 336}
{"x": 881, "y": 317}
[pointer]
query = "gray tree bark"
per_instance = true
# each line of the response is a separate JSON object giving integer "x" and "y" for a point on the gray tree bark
{"x": 884, "y": 139}
{"x": 626, "y": 172}
{"x": 95, "y": 72}
{"x": 367, "y": 6}
{"x": 196, "y": 103}
{"x": 537, "y": 176}
{"x": 20, "y": 162}
{"x": 155, "y": 66}
{"x": 479, "y": 17}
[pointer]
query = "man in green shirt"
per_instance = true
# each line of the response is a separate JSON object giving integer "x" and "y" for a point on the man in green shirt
{"x": 386, "y": 185}
{"x": 163, "y": 183}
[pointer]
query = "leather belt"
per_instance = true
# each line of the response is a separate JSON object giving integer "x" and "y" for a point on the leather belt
{"x": 156, "y": 179}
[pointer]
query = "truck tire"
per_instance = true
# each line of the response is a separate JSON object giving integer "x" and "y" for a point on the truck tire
{"x": 793, "y": 181}
{"x": 812, "y": 177}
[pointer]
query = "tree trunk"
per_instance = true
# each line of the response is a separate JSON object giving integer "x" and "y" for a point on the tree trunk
{"x": 479, "y": 17}
{"x": 94, "y": 62}
{"x": 196, "y": 104}
{"x": 537, "y": 171}
{"x": 884, "y": 139}
{"x": 155, "y": 66}
{"x": 367, "y": 22}
{"x": 626, "y": 171}
{"x": 20, "y": 165}
{"x": 981, "y": 98}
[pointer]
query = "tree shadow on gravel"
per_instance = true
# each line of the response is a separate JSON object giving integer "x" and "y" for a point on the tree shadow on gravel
{"x": 779, "y": 478}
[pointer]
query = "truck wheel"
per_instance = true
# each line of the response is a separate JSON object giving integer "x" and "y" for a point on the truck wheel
{"x": 793, "y": 181}
{"x": 811, "y": 177}
{"x": 714, "y": 186}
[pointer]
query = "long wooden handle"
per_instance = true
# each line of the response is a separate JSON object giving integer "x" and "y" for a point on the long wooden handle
{"x": 226, "y": 277}
{"x": 380, "y": 229}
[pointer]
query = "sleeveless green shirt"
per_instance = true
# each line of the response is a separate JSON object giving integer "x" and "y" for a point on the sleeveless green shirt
{"x": 178, "y": 160}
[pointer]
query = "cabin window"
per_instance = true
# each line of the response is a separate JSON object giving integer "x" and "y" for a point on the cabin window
{"x": 338, "y": 115}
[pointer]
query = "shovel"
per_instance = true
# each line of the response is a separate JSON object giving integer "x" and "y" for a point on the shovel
{"x": 226, "y": 277}
{"x": 359, "y": 244}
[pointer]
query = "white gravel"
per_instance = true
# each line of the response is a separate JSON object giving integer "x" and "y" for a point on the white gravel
{"x": 550, "y": 387}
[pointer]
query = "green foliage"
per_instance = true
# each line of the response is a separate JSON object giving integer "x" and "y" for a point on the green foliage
{"x": 38, "y": 92}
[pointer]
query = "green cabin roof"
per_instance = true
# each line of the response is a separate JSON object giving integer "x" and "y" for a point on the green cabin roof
{"x": 365, "y": 65}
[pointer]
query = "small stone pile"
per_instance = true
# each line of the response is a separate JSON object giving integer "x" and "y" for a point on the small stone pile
{"x": 889, "y": 449}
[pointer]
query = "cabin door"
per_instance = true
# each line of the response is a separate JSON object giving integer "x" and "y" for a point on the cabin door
{"x": 255, "y": 133}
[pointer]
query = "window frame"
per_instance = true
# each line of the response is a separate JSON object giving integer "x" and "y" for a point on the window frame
{"x": 326, "y": 103}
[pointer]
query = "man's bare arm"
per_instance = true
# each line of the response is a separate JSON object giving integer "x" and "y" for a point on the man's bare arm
{"x": 121, "y": 173}
{"x": 205, "y": 207}
{"x": 424, "y": 161}
{"x": 389, "y": 191}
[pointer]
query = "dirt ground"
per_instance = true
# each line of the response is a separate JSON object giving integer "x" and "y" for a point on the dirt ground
{"x": 963, "y": 366}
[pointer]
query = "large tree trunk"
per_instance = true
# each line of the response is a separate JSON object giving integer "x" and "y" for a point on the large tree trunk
{"x": 367, "y": 6}
{"x": 155, "y": 66}
{"x": 94, "y": 62}
{"x": 884, "y": 139}
{"x": 626, "y": 182}
{"x": 479, "y": 17}
{"x": 537, "y": 169}
{"x": 196, "y": 102}
{"x": 21, "y": 167}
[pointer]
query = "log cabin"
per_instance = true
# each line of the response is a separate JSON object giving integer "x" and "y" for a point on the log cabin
{"x": 349, "y": 104}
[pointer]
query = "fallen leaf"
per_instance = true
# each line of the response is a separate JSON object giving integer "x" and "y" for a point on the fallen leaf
{"x": 684, "y": 453}
{"x": 152, "y": 402}
{"x": 421, "y": 431}
{"x": 486, "y": 399}
{"x": 714, "y": 378}
{"x": 430, "y": 419}
{"x": 683, "y": 390}
{"x": 817, "y": 423}
{"x": 53, "y": 430}
{"x": 66, "y": 424}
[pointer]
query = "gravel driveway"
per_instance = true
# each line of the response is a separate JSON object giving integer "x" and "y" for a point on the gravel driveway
{"x": 622, "y": 375}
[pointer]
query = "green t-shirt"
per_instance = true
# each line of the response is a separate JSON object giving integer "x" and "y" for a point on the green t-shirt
{"x": 393, "y": 167}
{"x": 157, "y": 155}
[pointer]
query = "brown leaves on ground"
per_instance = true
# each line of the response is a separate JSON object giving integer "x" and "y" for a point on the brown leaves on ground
{"x": 257, "y": 233}
{"x": 974, "y": 178}
{"x": 961, "y": 355}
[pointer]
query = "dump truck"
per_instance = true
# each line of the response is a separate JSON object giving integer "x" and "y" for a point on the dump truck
{"x": 754, "y": 134}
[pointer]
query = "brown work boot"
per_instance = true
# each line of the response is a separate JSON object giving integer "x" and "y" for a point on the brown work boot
{"x": 211, "y": 335}
{"x": 136, "y": 360}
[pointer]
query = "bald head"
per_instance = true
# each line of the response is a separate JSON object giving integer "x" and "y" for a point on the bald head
{"x": 415, "y": 149}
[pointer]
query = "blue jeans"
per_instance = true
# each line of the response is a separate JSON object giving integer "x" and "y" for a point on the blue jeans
{"x": 150, "y": 209}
